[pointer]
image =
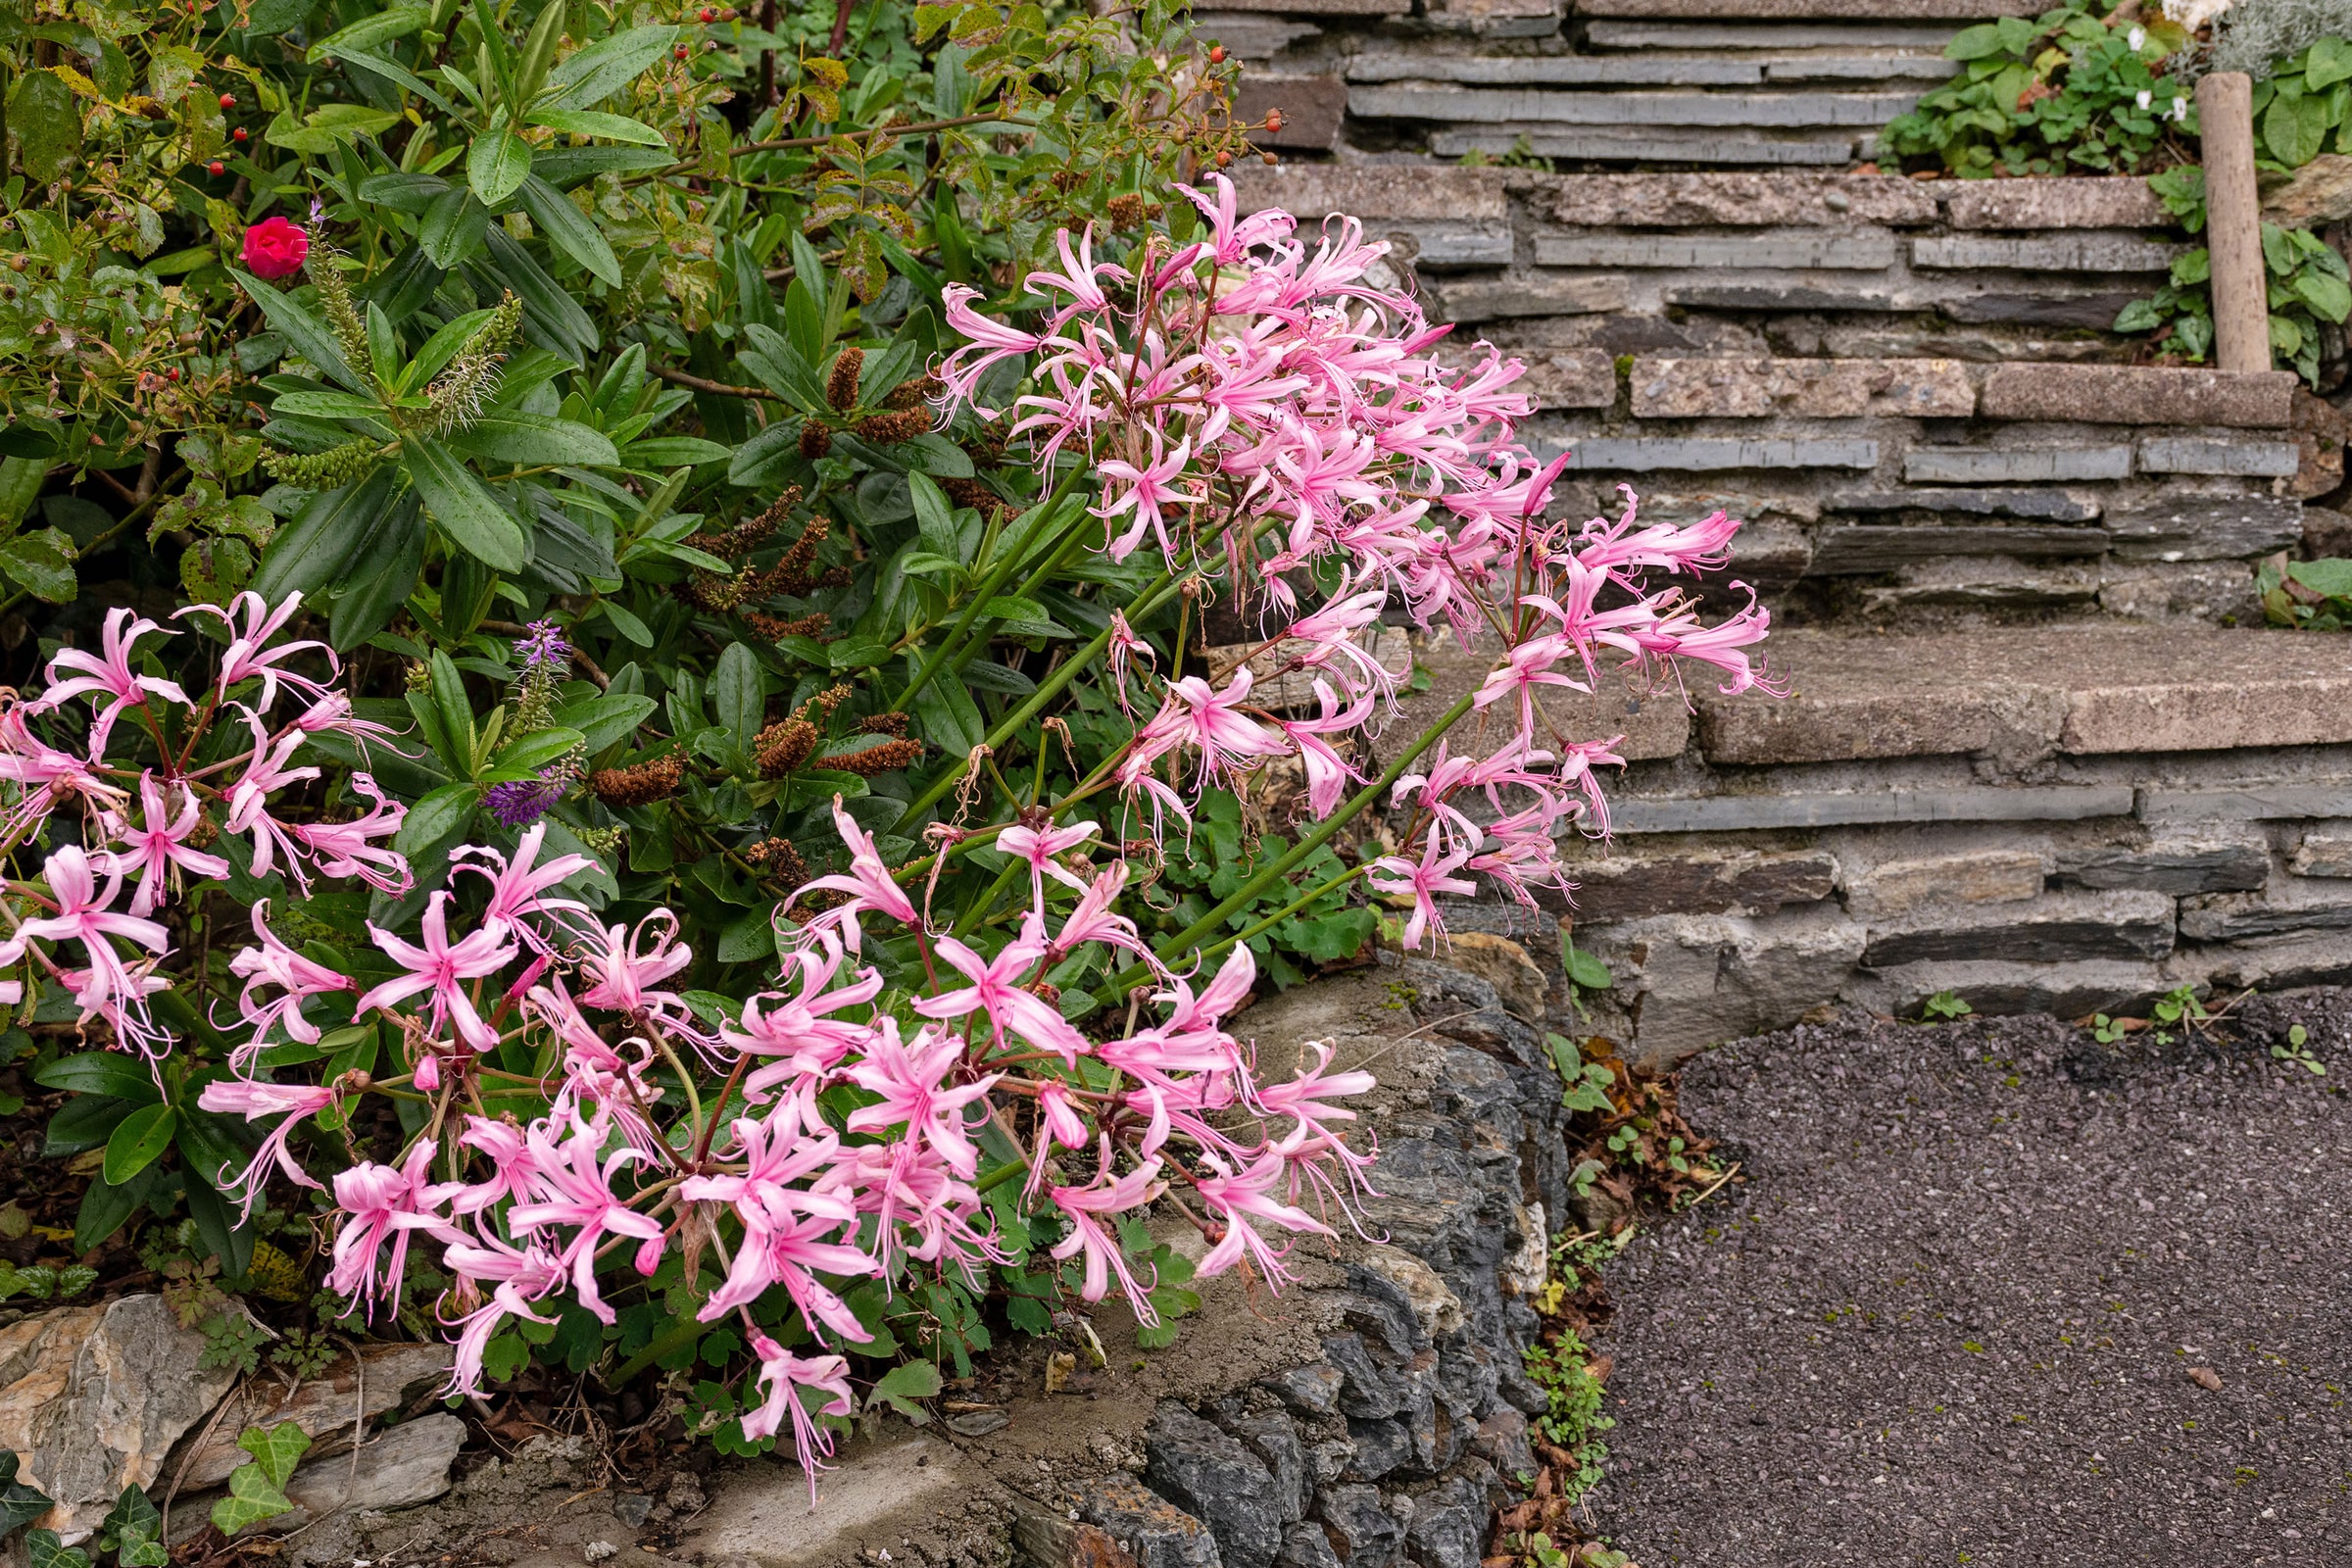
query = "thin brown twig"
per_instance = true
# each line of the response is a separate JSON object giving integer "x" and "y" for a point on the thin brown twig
{"x": 704, "y": 384}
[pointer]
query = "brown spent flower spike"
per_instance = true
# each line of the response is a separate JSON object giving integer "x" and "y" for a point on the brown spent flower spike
{"x": 840, "y": 387}
{"x": 887, "y": 757}
{"x": 640, "y": 784}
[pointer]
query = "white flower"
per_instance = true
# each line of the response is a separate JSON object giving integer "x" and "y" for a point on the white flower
{"x": 2179, "y": 107}
{"x": 2145, "y": 97}
{"x": 2136, "y": 38}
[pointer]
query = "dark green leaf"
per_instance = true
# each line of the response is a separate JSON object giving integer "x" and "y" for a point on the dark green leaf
{"x": 135, "y": 1145}
{"x": 466, "y": 512}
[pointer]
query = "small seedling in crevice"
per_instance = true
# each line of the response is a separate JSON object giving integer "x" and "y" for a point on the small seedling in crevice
{"x": 2297, "y": 1050}
{"x": 1942, "y": 1007}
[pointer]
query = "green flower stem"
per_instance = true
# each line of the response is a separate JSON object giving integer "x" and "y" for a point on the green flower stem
{"x": 1150, "y": 599}
{"x": 987, "y": 590}
{"x": 1136, "y": 974}
{"x": 1354, "y": 808}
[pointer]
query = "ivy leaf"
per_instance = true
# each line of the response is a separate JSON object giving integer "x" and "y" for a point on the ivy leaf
{"x": 902, "y": 1385}
{"x": 20, "y": 1505}
{"x": 42, "y": 1549}
{"x": 275, "y": 1449}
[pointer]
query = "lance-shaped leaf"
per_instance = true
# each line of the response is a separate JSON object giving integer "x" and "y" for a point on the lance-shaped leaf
{"x": 466, "y": 511}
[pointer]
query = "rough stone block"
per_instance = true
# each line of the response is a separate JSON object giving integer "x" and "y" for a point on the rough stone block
{"x": 1275, "y": 1442}
{"x": 1310, "y": 1390}
{"x": 1708, "y": 454}
{"x": 2205, "y": 862}
{"x": 1569, "y": 378}
{"x": 2325, "y": 851}
{"x": 2136, "y": 394}
{"x": 1505, "y": 965}
{"x": 2050, "y": 506}
{"x": 1312, "y": 110}
{"x": 1210, "y": 1475}
{"x": 94, "y": 1398}
{"x": 1145, "y": 1525}
{"x": 2160, "y": 804}
{"x": 2051, "y": 305}
{"x": 1994, "y": 583}
{"x": 396, "y": 1469}
{"x": 2189, "y": 454}
{"x": 2055, "y": 203}
{"x": 1727, "y": 199}
{"x": 1324, "y": 8}
{"x": 1362, "y": 1534}
{"x": 1487, "y": 299}
{"x": 2293, "y": 905}
{"x": 1882, "y": 69}
{"x": 1703, "y": 979}
{"x": 1381, "y": 1448}
{"x": 1606, "y": 33}
{"x": 2060, "y": 927}
{"x": 2229, "y": 702}
{"x": 2279, "y": 963}
{"x": 1826, "y": 389}
{"x": 1984, "y": 876}
{"x": 2319, "y": 192}
{"x": 1986, "y": 803}
{"x": 1865, "y": 252}
{"x": 2069, "y": 253}
{"x": 1373, "y": 191}
{"x": 2218, "y": 591}
{"x": 1651, "y": 144}
{"x": 1733, "y": 110}
{"x": 1633, "y": 888}
{"x": 1995, "y": 988}
{"x": 2225, "y": 527}
{"x": 1449, "y": 1524}
{"x": 1304, "y": 1546}
{"x": 1448, "y": 247}
{"x": 1553, "y": 70}
{"x": 1246, "y": 37}
{"x": 1813, "y": 9}
{"x": 1865, "y": 550}
{"x": 324, "y": 1407}
{"x": 1495, "y": 19}
{"x": 2015, "y": 464}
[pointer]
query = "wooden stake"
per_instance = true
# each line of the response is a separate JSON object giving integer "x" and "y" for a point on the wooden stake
{"x": 2241, "y": 312}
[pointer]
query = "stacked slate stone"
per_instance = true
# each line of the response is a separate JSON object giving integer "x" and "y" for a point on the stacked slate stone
{"x": 1394, "y": 1445}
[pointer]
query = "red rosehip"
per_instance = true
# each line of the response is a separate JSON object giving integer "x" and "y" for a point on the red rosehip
{"x": 216, "y": 168}
{"x": 173, "y": 374}
{"x": 1273, "y": 120}
{"x": 1223, "y": 159}
{"x": 1216, "y": 54}
{"x": 680, "y": 51}
{"x": 707, "y": 15}
{"x": 228, "y": 100}
{"x": 240, "y": 134}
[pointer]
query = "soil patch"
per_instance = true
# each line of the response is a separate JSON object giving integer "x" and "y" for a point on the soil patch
{"x": 1992, "y": 1293}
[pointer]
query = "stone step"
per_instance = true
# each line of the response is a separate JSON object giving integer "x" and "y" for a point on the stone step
{"x": 2080, "y": 689}
{"x": 2133, "y": 394}
{"x": 2069, "y": 253}
{"x": 1746, "y": 111}
{"x": 1822, "y": 389}
{"x": 1664, "y": 144}
{"x": 2069, "y": 203}
{"x": 1711, "y": 454}
{"x": 1657, "y": 70}
{"x": 1868, "y": 250}
{"x": 1741, "y": 199}
{"x": 1606, "y": 33}
{"x": 1814, "y": 10}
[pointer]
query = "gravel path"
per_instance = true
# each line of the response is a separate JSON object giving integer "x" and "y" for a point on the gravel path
{"x": 1968, "y": 1307}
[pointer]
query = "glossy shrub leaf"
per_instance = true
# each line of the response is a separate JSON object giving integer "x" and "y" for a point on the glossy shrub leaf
{"x": 466, "y": 511}
{"x": 136, "y": 1144}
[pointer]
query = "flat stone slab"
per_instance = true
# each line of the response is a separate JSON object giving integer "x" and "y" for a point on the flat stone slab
{"x": 1977, "y": 803}
{"x": 1487, "y": 299}
{"x": 1663, "y": 144}
{"x": 1828, "y": 389}
{"x": 2190, "y": 454}
{"x": 1952, "y": 1307}
{"x": 1730, "y": 199}
{"x": 2052, "y": 505}
{"x": 1864, "y": 252}
{"x": 1702, "y": 454}
{"x": 1809, "y": 10}
{"x": 2135, "y": 394}
{"x": 2119, "y": 203}
{"x": 1607, "y": 33}
{"x": 1746, "y": 111}
{"x": 2064, "y": 253}
{"x": 1865, "y": 548}
{"x": 1369, "y": 191}
{"x": 2016, "y": 465}
{"x": 2085, "y": 689}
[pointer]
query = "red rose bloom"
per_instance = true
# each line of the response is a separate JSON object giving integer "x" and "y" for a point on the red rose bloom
{"x": 275, "y": 248}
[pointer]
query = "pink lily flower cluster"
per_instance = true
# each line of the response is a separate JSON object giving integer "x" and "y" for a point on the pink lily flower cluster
{"x": 1256, "y": 408}
{"x": 153, "y": 825}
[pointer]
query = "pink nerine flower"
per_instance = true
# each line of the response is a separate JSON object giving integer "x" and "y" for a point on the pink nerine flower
{"x": 297, "y": 978}
{"x": 868, "y": 884}
{"x": 1147, "y": 489}
{"x": 254, "y": 1099}
{"x": 441, "y": 968}
{"x": 1084, "y": 1209}
{"x": 107, "y": 674}
{"x": 382, "y": 1204}
{"x": 785, "y": 1375}
{"x": 995, "y": 990}
{"x": 83, "y": 916}
{"x": 250, "y": 656}
{"x": 158, "y": 849}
